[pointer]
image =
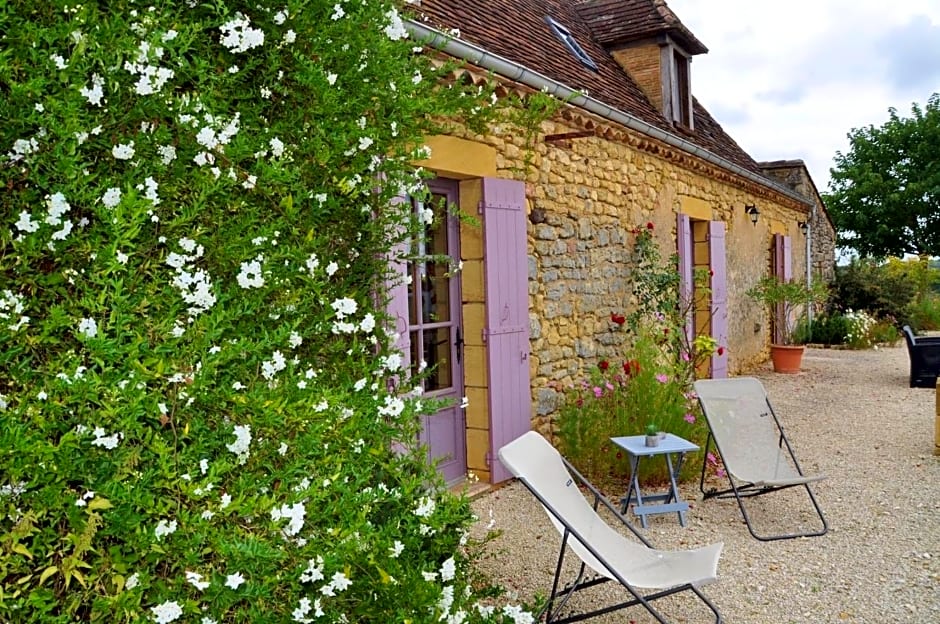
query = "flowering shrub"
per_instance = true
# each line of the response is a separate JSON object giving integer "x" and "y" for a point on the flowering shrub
{"x": 662, "y": 308}
{"x": 859, "y": 329}
{"x": 622, "y": 399}
{"x": 196, "y": 419}
{"x": 651, "y": 383}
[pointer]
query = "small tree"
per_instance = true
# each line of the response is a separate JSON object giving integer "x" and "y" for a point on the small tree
{"x": 793, "y": 297}
{"x": 884, "y": 192}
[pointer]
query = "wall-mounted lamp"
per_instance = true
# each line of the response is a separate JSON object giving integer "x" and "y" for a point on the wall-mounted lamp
{"x": 752, "y": 211}
{"x": 803, "y": 225}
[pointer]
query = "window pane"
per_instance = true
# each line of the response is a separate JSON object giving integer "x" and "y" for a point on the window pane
{"x": 437, "y": 355}
{"x": 435, "y": 283}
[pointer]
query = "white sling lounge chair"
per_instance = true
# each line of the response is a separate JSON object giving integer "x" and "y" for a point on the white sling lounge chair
{"x": 612, "y": 556}
{"x": 756, "y": 454}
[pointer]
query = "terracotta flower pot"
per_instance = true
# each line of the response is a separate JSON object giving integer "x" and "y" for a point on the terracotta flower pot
{"x": 787, "y": 358}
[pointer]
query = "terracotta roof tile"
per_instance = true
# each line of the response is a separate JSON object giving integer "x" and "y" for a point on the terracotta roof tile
{"x": 777, "y": 164}
{"x": 518, "y": 31}
{"x": 621, "y": 21}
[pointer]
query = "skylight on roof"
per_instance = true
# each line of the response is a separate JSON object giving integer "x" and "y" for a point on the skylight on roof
{"x": 571, "y": 43}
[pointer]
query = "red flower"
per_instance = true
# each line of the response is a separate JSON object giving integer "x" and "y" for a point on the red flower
{"x": 720, "y": 351}
{"x": 711, "y": 273}
{"x": 649, "y": 225}
{"x": 619, "y": 319}
{"x": 603, "y": 365}
{"x": 631, "y": 367}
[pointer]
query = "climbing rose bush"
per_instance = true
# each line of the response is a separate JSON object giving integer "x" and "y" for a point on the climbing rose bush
{"x": 202, "y": 414}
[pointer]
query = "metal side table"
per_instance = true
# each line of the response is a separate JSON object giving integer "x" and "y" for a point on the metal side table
{"x": 668, "y": 502}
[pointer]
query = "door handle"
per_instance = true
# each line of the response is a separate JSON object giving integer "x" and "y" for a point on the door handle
{"x": 458, "y": 343}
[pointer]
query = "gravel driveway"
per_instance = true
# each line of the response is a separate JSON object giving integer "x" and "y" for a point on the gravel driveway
{"x": 849, "y": 415}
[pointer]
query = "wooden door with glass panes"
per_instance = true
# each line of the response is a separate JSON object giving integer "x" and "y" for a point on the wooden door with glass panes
{"x": 435, "y": 329}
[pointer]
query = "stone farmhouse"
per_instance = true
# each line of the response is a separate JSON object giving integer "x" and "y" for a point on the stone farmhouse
{"x": 547, "y": 260}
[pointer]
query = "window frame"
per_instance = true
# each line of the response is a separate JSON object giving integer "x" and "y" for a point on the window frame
{"x": 567, "y": 38}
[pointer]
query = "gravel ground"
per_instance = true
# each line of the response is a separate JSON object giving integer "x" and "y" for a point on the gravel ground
{"x": 849, "y": 415}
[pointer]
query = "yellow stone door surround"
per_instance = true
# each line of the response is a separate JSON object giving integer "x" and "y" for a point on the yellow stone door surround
{"x": 469, "y": 162}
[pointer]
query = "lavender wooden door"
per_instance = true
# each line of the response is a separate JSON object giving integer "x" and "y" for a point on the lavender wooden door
{"x": 719, "y": 294}
{"x": 435, "y": 334}
{"x": 507, "y": 316}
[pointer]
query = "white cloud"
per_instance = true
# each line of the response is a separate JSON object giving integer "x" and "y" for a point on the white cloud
{"x": 792, "y": 82}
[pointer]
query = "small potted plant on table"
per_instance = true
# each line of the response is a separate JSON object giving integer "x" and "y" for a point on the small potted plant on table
{"x": 790, "y": 301}
{"x": 652, "y": 435}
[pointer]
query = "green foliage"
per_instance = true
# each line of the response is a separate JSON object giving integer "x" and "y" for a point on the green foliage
{"x": 650, "y": 384}
{"x": 867, "y": 285}
{"x": 827, "y": 329}
{"x": 859, "y": 334}
{"x": 662, "y": 306}
{"x": 793, "y": 297}
{"x": 916, "y": 271}
{"x": 857, "y": 330}
{"x": 626, "y": 398}
{"x": 884, "y": 332}
{"x": 196, "y": 420}
{"x": 884, "y": 192}
{"x": 924, "y": 314}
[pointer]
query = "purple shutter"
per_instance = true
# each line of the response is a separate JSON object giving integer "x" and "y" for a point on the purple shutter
{"x": 506, "y": 330}
{"x": 779, "y": 273}
{"x": 397, "y": 293}
{"x": 719, "y": 288}
{"x": 684, "y": 250}
{"x": 787, "y": 258}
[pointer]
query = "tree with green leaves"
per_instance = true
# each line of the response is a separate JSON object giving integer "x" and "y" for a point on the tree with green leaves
{"x": 884, "y": 196}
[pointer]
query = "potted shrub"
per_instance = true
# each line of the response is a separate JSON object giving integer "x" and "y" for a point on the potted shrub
{"x": 790, "y": 300}
{"x": 652, "y": 435}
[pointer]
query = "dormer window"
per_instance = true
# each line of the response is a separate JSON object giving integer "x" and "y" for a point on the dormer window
{"x": 678, "y": 94}
{"x": 571, "y": 43}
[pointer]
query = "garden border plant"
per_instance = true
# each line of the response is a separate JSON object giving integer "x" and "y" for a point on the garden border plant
{"x": 196, "y": 416}
{"x": 649, "y": 382}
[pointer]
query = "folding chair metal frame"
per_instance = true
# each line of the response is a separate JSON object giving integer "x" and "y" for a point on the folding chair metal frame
{"x": 751, "y": 489}
{"x": 560, "y": 595}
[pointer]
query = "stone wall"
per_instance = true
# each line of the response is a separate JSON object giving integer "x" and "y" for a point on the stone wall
{"x": 795, "y": 175}
{"x": 585, "y": 197}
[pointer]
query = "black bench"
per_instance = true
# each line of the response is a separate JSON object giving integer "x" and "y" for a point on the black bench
{"x": 924, "y": 352}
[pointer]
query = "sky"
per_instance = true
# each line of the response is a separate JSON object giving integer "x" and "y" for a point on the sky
{"x": 790, "y": 83}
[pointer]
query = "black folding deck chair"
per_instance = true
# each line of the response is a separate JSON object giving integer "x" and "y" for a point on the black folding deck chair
{"x": 612, "y": 556}
{"x": 755, "y": 451}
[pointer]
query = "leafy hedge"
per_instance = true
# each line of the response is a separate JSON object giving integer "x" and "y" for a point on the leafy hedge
{"x": 196, "y": 422}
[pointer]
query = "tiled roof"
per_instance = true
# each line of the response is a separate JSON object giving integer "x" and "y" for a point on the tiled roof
{"x": 620, "y": 21}
{"x": 518, "y": 31}
{"x": 781, "y": 164}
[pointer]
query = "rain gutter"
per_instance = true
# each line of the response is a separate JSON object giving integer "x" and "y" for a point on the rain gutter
{"x": 519, "y": 73}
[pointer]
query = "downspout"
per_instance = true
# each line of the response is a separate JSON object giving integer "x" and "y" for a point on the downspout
{"x": 519, "y": 73}
{"x": 809, "y": 259}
